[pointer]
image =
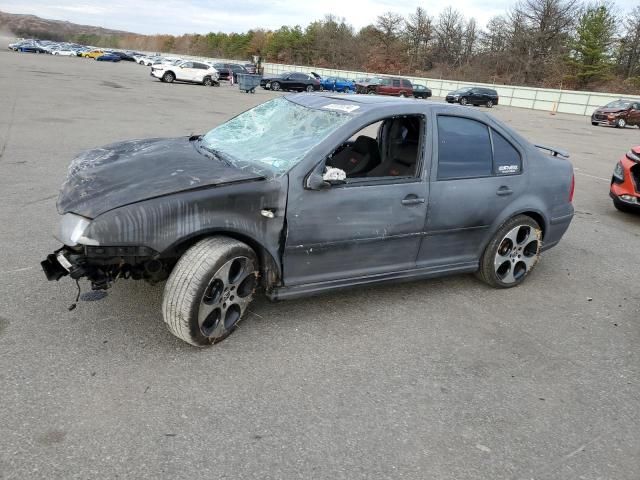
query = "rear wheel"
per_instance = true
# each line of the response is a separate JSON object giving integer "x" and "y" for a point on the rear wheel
{"x": 309, "y": 88}
{"x": 512, "y": 253}
{"x": 209, "y": 290}
{"x": 346, "y": 90}
{"x": 168, "y": 77}
{"x": 403, "y": 95}
{"x": 489, "y": 104}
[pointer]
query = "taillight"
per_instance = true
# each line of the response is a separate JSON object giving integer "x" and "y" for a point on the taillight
{"x": 573, "y": 188}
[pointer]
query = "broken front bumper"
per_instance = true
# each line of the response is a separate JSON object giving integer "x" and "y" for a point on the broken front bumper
{"x": 62, "y": 262}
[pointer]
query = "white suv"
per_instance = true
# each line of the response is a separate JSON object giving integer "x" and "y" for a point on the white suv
{"x": 193, "y": 72}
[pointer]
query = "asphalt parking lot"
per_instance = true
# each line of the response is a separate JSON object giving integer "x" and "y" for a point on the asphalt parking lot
{"x": 440, "y": 379}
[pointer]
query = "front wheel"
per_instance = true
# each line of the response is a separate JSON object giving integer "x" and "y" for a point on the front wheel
{"x": 595, "y": 124}
{"x": 463, "y": 101}
{"x": 207, "y": 82}
{"x": 168, "y": 77}
{"x": 209, "y": 290}
{"x": 275, "y": 86}
{"x": 621, "y": 123}
{"x": 512, "y": 253}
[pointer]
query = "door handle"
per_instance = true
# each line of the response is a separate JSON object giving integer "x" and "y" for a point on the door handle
{"x": 412, "y": 201}
{"x": 503, "y": 191}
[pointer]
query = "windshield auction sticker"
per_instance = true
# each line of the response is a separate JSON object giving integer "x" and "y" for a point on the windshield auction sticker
{"x": 341, "y": 107}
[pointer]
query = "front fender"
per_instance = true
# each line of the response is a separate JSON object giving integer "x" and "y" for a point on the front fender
{"x": 165, "y": 222}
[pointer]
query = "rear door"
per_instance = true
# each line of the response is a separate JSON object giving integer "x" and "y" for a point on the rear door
{"x": 407, "y": 87}
{"x": 395, "y": 87}
{"x": 477, "y": 172}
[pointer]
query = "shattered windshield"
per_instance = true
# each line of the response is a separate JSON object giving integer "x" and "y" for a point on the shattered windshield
{"x": 275, "y": 135}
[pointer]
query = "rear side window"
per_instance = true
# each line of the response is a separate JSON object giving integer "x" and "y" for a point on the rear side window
{"x": 406, "y": 83}
{"x": 464, "y": 148}
{"x": 396, "y": 83}
{"x": 506, "y": 159}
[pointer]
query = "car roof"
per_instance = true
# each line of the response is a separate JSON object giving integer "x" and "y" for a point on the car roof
{"x": 364, "y": 102}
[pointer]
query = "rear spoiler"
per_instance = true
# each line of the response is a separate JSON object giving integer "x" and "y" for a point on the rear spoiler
{"x": 554, "y": 151}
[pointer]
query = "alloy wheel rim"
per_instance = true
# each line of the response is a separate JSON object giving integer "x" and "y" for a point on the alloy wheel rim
{"x": 226, "y": 297}
{"x": 517, "y": 253}
{"x": 275, "y": 86}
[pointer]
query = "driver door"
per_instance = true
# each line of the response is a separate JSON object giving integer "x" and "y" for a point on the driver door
{"x": 185, "y": 72}
{"x": 365, "y": 227}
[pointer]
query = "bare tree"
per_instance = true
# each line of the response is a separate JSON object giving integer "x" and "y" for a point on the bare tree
{"x": 469, "y": 40}
{"x": 629, "y": 51}
{"x": 389, "y": 27}
{"x": 418, "y": 33}
{"x": 449, "y": 32}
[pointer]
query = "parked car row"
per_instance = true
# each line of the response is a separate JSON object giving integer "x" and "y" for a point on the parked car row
{"x": 67, "y": 49}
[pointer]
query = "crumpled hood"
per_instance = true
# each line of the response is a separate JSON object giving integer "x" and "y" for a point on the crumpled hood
{"x": 128, "y": 172}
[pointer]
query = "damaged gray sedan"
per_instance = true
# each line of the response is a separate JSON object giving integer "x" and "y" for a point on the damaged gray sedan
{"x": 307, "y": 194}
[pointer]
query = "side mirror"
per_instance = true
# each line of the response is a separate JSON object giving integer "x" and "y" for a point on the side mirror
{"x": 316, "y": 182}
{"x": 331, "y": 176}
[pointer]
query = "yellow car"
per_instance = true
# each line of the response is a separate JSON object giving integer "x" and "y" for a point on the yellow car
{"x": 93, "y": 54}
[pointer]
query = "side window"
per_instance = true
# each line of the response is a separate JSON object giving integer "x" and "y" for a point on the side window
{"x": 464, "y": 148}
{"x": 506, "y": 159}
{"x": 406, "y": 83}
{"x": 396, "y": 82}
{"x": 385, "y": 81}
{"x": 187, "y": 65}
{"x": 387, "y": 148}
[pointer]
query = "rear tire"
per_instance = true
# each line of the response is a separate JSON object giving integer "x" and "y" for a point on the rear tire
{"x": 309, "y": 88}
{"x": 512, "y": 253}
{"x": 168, "y": 77}
{"x": 489, "y": 104}
{"x": 209, "y": 290}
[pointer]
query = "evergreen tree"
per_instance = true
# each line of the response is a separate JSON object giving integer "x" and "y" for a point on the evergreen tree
{"x": 591, "y": 52}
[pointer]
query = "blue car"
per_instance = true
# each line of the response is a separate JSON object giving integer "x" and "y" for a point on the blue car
{"x": 108, "y": 57}
{"x": 337, "y": 84}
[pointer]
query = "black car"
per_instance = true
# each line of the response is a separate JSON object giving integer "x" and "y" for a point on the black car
{"x": 227, "y": 69}
{"x": 279, "y": 198}
{"x": 291, "y": 81}
{"x": 420, "y": 91}
{"x": 124, "y": 56}
{"x": 473, "y": 96}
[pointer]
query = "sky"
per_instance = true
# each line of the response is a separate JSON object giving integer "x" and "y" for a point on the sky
{"x": 203, "y": 16}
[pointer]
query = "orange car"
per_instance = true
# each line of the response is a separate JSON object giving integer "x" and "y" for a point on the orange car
{"x": 625, "y": 182}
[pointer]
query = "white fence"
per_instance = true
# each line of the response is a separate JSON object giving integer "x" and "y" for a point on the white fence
{"x": 564, "y": 101}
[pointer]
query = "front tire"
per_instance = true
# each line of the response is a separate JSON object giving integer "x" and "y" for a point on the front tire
{"x": 207, "y": 82}
{"x": 209, "y": 290}
{"x": 595, "y": 124}
{"x": 512, "y": 253}
{"x": 168, "y": 77}
{"x": 275, "y": 86}
{"x": 463, "y": 101}
{"x": 621, "y": 123}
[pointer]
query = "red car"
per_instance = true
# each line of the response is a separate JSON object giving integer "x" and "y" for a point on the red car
{"x": 398, "y": 87}
{"x": 625, "y": 182}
